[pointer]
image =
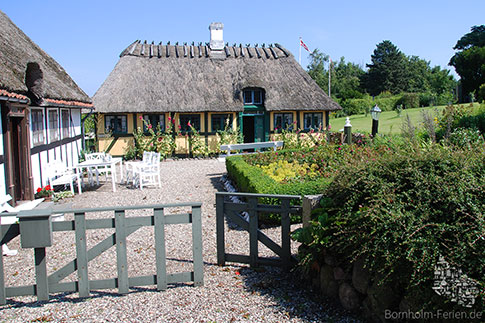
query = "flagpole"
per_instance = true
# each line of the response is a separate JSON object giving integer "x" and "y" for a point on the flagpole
{"x": 299, "y": 56}
{"x": 330, "y": 78}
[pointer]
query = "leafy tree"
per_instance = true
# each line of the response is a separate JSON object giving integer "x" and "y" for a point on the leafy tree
{"x": 316, "y": 68}
{"x": 388, "y": 70}
{"x": 469, "y": 61}
{"x": 345, "y": 78}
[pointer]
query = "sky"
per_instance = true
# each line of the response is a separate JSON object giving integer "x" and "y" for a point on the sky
{"x": 86, "y": 37}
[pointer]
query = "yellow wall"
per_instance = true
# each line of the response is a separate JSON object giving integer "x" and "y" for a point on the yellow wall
{"x": 119, "y": 148}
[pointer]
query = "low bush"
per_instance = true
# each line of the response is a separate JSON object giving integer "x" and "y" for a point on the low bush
{"x": 402, "y": 211}
{"x": 252, "y": 179}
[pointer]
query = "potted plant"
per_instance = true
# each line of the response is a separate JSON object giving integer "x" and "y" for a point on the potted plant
{"x": 46, "y": 192}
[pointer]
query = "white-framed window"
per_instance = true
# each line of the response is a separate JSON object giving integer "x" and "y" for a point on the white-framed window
{"x": 53, "y": 119}
{"x": 37, "y": 122}
{"x": 66, "y": 123}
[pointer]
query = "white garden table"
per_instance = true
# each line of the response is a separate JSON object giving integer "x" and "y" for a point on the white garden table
{"x": 94, "y": 163}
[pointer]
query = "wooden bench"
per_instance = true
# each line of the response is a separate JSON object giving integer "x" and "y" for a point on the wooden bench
{"x": 251, "y": 145}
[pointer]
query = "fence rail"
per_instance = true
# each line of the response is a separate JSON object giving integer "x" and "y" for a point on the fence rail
{"x": 35, "y": 229}
{"x": 233, "y": 212}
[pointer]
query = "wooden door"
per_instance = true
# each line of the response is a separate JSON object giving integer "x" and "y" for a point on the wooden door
{"x": 18, "y": 171}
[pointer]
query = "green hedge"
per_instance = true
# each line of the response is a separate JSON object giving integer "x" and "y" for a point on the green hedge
{"x": 251, "y": 179}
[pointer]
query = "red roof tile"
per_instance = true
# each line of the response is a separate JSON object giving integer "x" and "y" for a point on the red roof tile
{"x": 13, "y": 95}
{"x": 72, "y": 103}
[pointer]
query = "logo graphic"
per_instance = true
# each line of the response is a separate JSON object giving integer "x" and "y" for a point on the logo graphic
{"x": 453, "y": 284}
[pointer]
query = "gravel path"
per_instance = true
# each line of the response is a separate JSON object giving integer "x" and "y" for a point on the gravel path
{"x": 230, "y": 294}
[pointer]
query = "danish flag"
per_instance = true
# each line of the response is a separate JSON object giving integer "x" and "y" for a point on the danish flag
{"x": 303, "y": 44}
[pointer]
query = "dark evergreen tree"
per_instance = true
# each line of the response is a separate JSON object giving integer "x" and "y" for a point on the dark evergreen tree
{"x": 388, "y": 71}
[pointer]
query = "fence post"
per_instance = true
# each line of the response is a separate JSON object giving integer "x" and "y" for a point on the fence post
{"x": 285, "y": 233}
{"x": 310, "y": 202}
{"x": 42, "y": 286}
{"x": 81, "y": 254}
{"x": 121, "y": 258}
{"x": 253, "y": 231}
{"x": 197, "y": 246}
{"x": 221, "y": 253}
{"x": 160, "y": 253}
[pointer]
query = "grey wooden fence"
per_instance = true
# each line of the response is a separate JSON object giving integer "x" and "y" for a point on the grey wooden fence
{"x": 252, "y": 206}
{"x": 35, "y": 229}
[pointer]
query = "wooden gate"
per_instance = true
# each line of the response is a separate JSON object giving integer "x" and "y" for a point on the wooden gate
{"x": 252, "y": 206}
{"x": 35, "y": 229}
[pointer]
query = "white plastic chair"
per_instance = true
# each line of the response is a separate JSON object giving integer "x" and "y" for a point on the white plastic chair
{"x": 59, "y": 174}
{"x": 148, "y": 171}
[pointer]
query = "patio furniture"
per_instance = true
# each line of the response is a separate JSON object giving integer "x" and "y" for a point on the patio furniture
{"x": 59, "y": 174}
{"x": 132, "y": 165}
{"x": 146, "y": 172}
{"x": 98, "y": 165}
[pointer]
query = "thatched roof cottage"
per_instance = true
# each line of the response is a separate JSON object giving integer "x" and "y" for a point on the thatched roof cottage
{"x": 40, "y": 112}
{"x": 260, "y": 88}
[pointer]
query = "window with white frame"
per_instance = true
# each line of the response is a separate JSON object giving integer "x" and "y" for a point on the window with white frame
{"x": 37, "y": 121}
{"x": 53, "y": 119}
{"x": 66, "y": 124}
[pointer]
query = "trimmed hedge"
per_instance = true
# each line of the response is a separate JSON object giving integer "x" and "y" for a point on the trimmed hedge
{"x": 251, "y": 179}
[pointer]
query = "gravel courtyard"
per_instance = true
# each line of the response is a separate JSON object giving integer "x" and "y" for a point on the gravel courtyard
{"x": 234, "y": 293}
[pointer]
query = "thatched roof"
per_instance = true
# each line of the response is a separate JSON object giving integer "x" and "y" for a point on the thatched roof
{"x": 189, "y": 78}
{"x": 45, "y": 79}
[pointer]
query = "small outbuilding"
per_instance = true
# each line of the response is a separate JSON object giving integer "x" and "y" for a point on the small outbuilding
{"x": 259, "y": 88}
{"x": 40, "y": 113}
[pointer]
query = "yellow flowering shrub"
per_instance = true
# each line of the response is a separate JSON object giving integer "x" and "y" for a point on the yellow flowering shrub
{"x": 282, "y": 170}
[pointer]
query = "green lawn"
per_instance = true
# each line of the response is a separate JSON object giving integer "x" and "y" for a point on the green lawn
{"x": 389, "y": 122}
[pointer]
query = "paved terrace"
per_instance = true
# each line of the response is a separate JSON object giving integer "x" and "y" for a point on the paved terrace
{"x": 230, "y": 294}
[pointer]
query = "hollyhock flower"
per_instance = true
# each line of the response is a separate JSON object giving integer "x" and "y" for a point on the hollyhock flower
{"x": 141, "y": 118}
{"x": 149, "y": 126}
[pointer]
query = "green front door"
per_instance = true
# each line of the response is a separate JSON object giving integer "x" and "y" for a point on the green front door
{"x": 254, "y": 125}
{"x": 259, "y": 128}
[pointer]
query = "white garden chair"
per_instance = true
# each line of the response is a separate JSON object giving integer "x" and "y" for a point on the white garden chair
{"x": 59, "y": 174}
{"x": 147, "y": 172}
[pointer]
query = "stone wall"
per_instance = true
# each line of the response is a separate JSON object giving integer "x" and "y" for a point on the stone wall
{"x": 355, "y": 289}
{"x": 351, "y": 284}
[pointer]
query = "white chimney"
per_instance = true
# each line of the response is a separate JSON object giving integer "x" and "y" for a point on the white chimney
{"x": 217, "y": 41}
